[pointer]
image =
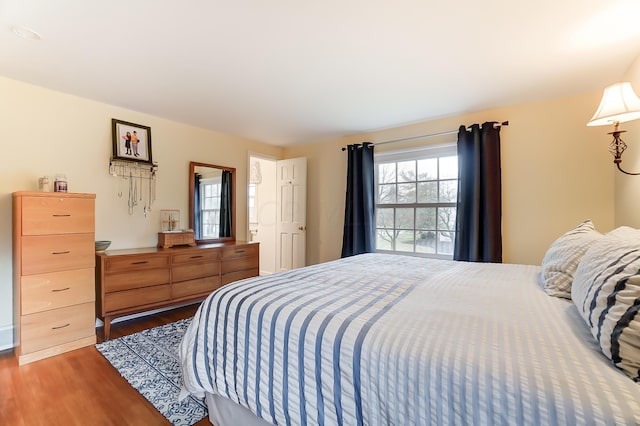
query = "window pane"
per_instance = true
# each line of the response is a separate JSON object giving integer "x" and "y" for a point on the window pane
{"x": 384, "y": 218}
{"x": 404, "y": 218}
{"x": 448, "y": 167}
{"x": 406, "y": 193}
{"x": 411, "y": 197}
{"x": 428, "y": 169}
{"x": 428, "y": 192}
{"x": 445, "y": 242}
{"x": 448, "y": 191}
{"x": 447, "y": 218}
{"x": 426, "y": 242}
{"x": 386, "y": 194}
{"x": 404, "y": 241}
{"x": 426, "y": 218}
{"x": 384, "y": 239}
{"x": 387, "y": 173}
{"x": 407, "y": 171}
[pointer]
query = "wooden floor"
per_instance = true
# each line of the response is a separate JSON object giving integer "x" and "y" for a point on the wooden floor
{"x": 79, "y": 387}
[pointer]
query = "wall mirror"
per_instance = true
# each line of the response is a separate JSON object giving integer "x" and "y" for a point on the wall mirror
{"x": 212, "y": 201}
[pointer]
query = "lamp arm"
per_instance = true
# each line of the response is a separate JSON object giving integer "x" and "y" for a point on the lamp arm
{"x": 625, "y": 172}
{"x": 617, "y": 147}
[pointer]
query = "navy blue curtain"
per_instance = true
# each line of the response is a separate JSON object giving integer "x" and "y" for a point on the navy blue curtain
{"x": 359, "y": 215}
{"x": 479, "y": 213}
{"x": 197, "y": 207}
{"x": 225, "y": 205}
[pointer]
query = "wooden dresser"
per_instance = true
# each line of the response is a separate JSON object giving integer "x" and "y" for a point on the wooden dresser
{"x": 53, "y": 269}
{"x": 137, "y": 280}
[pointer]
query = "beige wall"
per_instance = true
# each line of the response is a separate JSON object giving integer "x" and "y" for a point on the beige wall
{"x": 627, "y": 202}
{"x": 555, "y": 174}
{"x": 46, "y": 132}
{"x": 556, "y": 170}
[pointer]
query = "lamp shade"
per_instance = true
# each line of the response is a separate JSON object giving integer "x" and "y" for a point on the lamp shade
{"x": 619, "y": 104}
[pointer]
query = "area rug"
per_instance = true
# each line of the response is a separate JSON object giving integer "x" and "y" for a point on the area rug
{"x": 149, "y": 361}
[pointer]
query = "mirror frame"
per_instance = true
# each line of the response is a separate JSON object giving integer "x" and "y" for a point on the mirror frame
{"x": 192, "y": 169}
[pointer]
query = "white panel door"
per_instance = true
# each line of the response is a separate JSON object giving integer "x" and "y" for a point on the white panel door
{"x": 291, "y": 184}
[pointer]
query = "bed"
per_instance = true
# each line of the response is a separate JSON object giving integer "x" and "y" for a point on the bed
{"x": 379, "y": 339}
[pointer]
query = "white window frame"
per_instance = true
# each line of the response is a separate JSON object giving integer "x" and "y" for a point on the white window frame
{"x": 215, "y": 181}
{"x": 436, "y": 151}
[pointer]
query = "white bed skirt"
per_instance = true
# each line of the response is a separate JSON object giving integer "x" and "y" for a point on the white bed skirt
{"x": 224, "y": 412}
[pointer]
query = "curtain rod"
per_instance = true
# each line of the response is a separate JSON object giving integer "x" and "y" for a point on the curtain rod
{"x": 431, "y": 135}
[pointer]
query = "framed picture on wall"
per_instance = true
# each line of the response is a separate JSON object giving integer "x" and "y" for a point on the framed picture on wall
{"x": 131, "y": 142}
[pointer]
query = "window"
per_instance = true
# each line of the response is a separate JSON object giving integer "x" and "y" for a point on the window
{"x": 416, "y": 201}
{"x": 210, "y": 202}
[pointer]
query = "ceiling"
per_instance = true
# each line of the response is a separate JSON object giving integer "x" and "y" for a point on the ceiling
{"x": 287, "y": 72}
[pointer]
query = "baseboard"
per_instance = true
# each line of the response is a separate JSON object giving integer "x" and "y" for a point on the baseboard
{"x": 6, "y": 337}
{"x": 265, "y": 273}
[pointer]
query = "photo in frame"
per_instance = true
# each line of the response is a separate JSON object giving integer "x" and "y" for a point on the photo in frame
{"x": 169, "y": 220}
{"x": 131, "y": 142}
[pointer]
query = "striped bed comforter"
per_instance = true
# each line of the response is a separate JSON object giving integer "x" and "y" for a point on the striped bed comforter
{"x": 395, "y": 340}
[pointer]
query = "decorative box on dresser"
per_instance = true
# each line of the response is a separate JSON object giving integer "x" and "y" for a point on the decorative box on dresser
{"x": 137, "y": 280}
{"x": 53, "y": 270}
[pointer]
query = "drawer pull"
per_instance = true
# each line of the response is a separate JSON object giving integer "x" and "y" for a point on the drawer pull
{"x": 61, "y": 326}
{"x": 61, "y": 215}
{"x": 240, "y": 251}
{"x": 142, "y": 262}
{"x": 61, "y": 252}
{"x": 196, "y": 257}
{"x": 56, "y": 290}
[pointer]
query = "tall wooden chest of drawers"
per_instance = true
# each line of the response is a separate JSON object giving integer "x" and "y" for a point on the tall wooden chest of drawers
{"x": 53, "y": 270}
{"x": 136, "y": 280}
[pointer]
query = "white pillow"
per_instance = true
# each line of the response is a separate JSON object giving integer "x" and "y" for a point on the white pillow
{"x": 606, "y": 291}
{"x": 563, "y": 256}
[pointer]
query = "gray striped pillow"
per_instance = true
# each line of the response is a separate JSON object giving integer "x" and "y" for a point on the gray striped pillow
{"x": 606, "y": 291}
{"x": 563, "y": 256}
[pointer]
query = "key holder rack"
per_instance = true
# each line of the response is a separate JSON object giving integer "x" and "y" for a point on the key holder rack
{"x": 136, "y": 182}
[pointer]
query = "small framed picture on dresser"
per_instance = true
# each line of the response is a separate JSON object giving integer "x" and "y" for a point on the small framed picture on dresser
{"x": 131, "y": 142}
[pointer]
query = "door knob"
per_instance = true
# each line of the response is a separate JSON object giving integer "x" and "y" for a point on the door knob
{"x": 302, "y": 228}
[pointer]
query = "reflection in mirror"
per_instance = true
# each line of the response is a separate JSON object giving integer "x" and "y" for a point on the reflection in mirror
{"x": 211, "y": 202}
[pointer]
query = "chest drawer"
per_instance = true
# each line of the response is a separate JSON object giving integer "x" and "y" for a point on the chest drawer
{"x": 136, "y": 297}
{"x": 135, "y": 279}
{"x": 43, "y": 292}
{"x": 240, "y": 251}
{"x": 49, "y": 328}
{"x": 240, "y": 275}
{"x": 57, "y": 215}
{"x": 240, "y": 264}
{"x": 195, "y": 287}
{"x": 188, "y": 272}
{"x": 133, "y": 263}
{"x": 196, "y": 256}
{"x": 49, "y": 253}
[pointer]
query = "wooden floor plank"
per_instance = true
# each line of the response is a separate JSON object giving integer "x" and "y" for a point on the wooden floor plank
{"x": 79, "y": 387}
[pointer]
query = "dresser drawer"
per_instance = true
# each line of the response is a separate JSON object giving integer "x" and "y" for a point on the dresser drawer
{"x": 132, "y": 263}
{"x": 135, "y": 279}
{"x": 195, "y": 287}
{"x": 57, "y": 215}
{"x": 196, "y": 256}
{"x": 240, "y": 264}
{"x": 50, "y": 328}
{"x": 240, "y": 251}
{"x": 188, "y": 272}
{"x": 43, "y": 292}
{"x": 235, "y": 276}
{"x": 49, "y": 253}
{"x": 137, "y": 297}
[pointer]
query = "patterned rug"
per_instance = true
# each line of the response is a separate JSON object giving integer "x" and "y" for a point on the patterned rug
{"x": 149, "y": 361}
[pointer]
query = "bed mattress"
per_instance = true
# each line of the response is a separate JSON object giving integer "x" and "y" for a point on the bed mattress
{"x": 381, "y": 339}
